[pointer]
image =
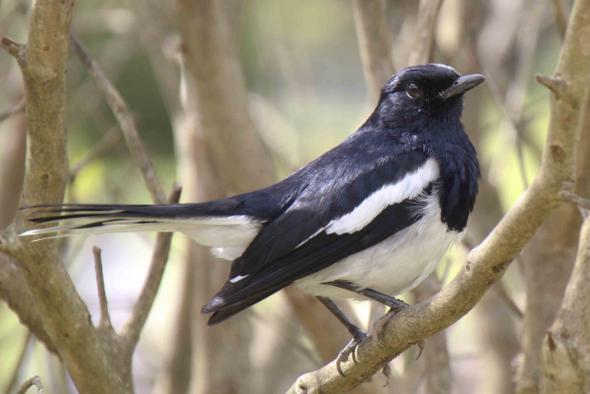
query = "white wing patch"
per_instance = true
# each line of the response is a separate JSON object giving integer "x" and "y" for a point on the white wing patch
{"x": 408, "y": 187}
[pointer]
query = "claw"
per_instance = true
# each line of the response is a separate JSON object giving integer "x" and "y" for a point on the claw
{"x": 348, "y": 350}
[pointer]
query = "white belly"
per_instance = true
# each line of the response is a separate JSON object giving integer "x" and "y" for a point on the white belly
{"x": 393, "y": 266}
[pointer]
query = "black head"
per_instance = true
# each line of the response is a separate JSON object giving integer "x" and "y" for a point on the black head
{"x": 424, "y": 93}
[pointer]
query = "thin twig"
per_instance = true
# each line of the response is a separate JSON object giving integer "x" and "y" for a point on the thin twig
{"x": 144, "y": 303}
{"x": 555, "y": 84}
{"x": 125, "y": 119}
{"x": 34, "y": 381}
{"x": 375, "y": 43}
{"x": 110, "y": 140}
{"x": 19, "y": 363}
{"x": 574, "y": 198}
{"x": 13, "y": 110}
{"x": 105, "y": 318}
{"x": 425, "y": 27}
{"x": 13, "y": 48}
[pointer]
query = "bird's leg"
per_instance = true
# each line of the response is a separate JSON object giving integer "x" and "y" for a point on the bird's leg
{"x": 395, "y": 305}
{"x": 358, "y": 335}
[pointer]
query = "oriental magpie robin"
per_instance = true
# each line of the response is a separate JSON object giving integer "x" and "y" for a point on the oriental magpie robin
{"x": 370, "y": 218}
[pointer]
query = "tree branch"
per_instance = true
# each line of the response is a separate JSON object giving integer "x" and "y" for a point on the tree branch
{"x": 105, "y": 318}
{"x": 566, "y": 348}
{"x": 15, "y": 49}
{"x": 141, "y": 310}
{"x": 34, "y": 381}
{"x": 425, "y": 27}
{"x": 489, "y": 260}
{"x": 126, "y": 121}
{"x": 574, "y": 198}
{"x": 375, "y": 43}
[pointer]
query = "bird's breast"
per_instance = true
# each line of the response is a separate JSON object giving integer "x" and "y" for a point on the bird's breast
{"x": 393, "y": 266}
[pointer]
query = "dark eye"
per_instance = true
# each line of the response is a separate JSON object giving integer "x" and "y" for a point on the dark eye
{"x": 413, "y": 91}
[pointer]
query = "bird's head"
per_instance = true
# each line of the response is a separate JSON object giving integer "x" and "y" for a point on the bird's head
{"x": 424, "y": 93}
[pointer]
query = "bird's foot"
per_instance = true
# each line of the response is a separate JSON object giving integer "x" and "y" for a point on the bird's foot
{"x": 395, "y": 305}
{"x": 349, "y": 350}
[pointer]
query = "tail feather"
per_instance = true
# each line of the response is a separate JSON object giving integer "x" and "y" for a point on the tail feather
{"x": 215, "y": 224}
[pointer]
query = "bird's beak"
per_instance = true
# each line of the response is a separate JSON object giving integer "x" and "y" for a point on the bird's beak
{"x": 462, "y": 84}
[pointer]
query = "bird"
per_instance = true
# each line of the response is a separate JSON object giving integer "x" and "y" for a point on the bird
{"x": 369, "y": 219}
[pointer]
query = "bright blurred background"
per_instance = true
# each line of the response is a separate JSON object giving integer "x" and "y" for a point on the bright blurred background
{"x": 306, "y": 92}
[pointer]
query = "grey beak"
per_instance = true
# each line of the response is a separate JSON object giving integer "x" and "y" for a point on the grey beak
{"x": 462, "y": 84}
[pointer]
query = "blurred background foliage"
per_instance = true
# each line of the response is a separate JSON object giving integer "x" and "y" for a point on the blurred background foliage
{"x": 307, "y": 92}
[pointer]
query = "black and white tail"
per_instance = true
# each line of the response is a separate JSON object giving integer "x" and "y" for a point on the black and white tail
{"x": 226, "y": 229}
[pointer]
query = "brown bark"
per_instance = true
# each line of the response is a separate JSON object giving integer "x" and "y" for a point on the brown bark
{"x": 566, "y": 345}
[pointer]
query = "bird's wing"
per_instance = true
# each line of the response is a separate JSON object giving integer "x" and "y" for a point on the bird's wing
{"x": 326, "y": 224}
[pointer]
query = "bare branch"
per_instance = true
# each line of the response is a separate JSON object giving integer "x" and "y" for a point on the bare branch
{"x": 13, "y": 48}
{"x": 574, "y": 198}
{"x": 15, "y": 109}
{"x": 16, "y": 292}
{"x": 560, "y": 17}
{"x": 126, "y": 121}
{"x": 34, "y": 381}
{"x": 134, "y": 325}
{"x": 425, "y": 27}
{"x": 489, "y": 260}
{"x": 566, "y": 348}
{"x": 375, "y": 43}
{"x": 105, "y": 318}
{"x": 555, "y": 84}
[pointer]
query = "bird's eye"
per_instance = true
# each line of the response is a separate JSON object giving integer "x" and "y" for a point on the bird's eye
{"x": 413, "y": 91}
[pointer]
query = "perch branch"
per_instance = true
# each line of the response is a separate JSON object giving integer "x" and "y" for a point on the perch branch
{"x": 487, "y": 262}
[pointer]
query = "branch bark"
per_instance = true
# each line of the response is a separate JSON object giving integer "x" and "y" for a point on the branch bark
{"x": 566, "y": 347}
{"x": 488, "y": 261}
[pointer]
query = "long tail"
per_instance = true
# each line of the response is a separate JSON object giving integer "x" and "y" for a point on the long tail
{"x": 216, "y": 224}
